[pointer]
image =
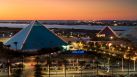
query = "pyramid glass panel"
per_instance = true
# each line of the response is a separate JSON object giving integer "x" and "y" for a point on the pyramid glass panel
{"x": 34, "y": 37}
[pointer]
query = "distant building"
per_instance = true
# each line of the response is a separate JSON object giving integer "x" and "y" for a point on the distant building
{"x": 107, "y": 32}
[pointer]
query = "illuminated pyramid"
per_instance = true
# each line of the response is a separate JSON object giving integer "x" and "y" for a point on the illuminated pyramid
{"x": 108, "y": 32}
{"x": 35, "y": 36}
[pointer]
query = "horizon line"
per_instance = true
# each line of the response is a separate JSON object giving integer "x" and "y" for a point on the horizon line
{"x": 66, "y": 19}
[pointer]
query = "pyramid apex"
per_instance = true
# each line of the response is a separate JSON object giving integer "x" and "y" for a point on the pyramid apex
{"x": 36, "y": 23}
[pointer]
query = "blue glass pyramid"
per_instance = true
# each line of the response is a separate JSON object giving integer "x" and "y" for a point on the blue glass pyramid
{"x": 34, "y": 37}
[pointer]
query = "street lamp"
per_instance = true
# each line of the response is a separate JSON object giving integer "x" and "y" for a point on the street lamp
{"x": 108, "y": 65}
{"x": 122, "y": 65}
{"x": 110, "y": 44}
{"x": 134, "y": 59}
{"x": 9, "y": 68}
{"x": 111, "y": 37}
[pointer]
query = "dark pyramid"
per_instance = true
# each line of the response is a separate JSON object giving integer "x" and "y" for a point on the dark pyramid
{"x": 108, "y": 32}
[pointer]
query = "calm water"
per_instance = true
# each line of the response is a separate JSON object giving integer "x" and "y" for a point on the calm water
{"x": 69, "y": 26}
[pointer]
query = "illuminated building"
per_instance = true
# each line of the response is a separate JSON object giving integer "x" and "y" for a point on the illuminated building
{"x": 107, "y": 32}
{"x": 34, "y": 37}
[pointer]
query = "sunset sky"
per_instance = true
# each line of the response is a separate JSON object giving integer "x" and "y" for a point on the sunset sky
{"x": 68, "y": 9}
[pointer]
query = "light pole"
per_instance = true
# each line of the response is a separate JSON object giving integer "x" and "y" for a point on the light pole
{"x": 82, "y": 63}
{"x": 97, "y": 68}
{"x": 9, "y": 72}
{"x": 108, "y": 65}
{"x": 94, "y": 44}
{"x": 134, "y": 59}
{"x": 65, "y": 62}
{"x": 109, "y": 45}
{"x": 122, "y": 65}
{"x": 134, "y": 65}
{"x": 93, "y": 65}
{"x": 48, "y": 63}
{"x": 128, "y": 65}
{"x": 8, "y": 61}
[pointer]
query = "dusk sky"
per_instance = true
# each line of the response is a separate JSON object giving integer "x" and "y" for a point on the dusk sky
{"x": 68, "y": 9}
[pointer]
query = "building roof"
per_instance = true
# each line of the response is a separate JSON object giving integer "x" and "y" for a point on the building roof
{"x": 35, "y": 36}
{"x": 108, "y": 31}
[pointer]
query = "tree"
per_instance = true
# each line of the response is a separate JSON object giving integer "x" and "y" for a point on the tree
{"x": 37, "y": 59}
{"x": 96, "y": 62}
{"x": 17, "y": 73}
{"x": 38, "y": 71}
{"x": 49, "y": 63}
{"x": 81, "y": 63}
{"x": 130, "y": 54}
{"x": 65, "y": 65}
{"x": 1, "y": 45}
{"x": 8, "y": 55}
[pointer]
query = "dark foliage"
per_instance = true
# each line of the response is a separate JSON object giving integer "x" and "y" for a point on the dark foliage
{"x": 17, "y": 73}
{"x": 38, "y": 71}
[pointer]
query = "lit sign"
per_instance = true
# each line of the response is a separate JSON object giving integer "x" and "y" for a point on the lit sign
{"x": 78, "y": 52}
{"x": 65, "y": 47}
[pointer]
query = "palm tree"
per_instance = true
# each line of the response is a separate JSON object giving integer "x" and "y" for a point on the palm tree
{"x": 82, "y": 63}
{"x": 131, "y": 53}
{"x": 7, "y": 56}
{"x": 65, "y": 65}
{"x": 1, "y": 45}
{"x": 1, "y": 48}
{"x": 49, "y": 63}
{"x": 97, "y": 66}
{"x": 17, "y": 73}
{"x": 38, "y": 71}
{"x": 37, "y": 60}
{"x": 8, "y": 61}
{"x": 16, "y": 45}
{"x": 9, "y": 68}
{"x": 111, "y": 61}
